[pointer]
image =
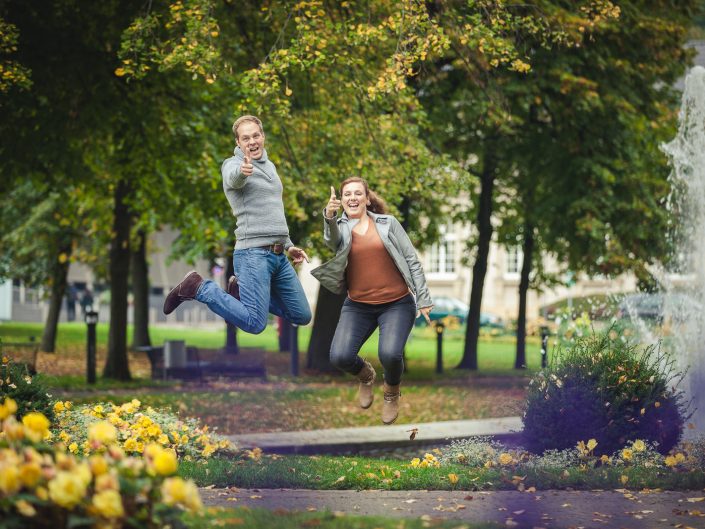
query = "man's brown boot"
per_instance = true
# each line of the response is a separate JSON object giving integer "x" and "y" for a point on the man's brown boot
{"x": 233, "y": 287}
{"x": 367, "y": 379}
{"x": 390, "y": 406}
{"x": 185, "y": 290}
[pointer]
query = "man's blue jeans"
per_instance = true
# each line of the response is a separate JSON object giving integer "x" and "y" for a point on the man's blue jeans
{"x": 268, "y": 283}
{"x": 357, "y": 323}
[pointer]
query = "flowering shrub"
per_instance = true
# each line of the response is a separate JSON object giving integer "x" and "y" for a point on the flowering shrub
{"x": 43, "y": 486}
{"x": 555, "y": 460}
{"x": 135, "y": 427}
{"x": 484, "y": 452}
{"x": 475, "y": 452}
{"x": 607, "y": 388}
{"x": 639, "y": 453}
{"x": 28, "y": 392}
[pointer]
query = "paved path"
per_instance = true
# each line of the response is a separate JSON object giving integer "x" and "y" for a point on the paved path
{"x": 549, "y": 509}
{"x": 503, "y": 429}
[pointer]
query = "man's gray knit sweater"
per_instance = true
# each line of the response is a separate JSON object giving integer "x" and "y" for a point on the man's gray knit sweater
{"x": 256, "y": 201}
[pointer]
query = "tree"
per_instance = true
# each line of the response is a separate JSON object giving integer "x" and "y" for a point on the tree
{"x": 488, "y": 49}
{"x": 333, "y": 77}
{"x": 137, "y": 143}
{"x": 593, "y": 120}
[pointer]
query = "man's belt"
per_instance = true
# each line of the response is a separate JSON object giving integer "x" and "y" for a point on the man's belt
{"x": 274, "y": 248}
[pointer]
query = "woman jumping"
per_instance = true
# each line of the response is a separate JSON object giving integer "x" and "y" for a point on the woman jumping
{"x": 377, "y": 266}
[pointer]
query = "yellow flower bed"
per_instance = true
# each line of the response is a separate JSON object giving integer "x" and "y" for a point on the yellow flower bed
{"x": 43, "y": 486}
{"x": 134, "y": 427}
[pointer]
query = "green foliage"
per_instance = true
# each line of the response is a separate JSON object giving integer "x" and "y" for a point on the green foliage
{"x": 30, "y": 393}
{"x": 12, "y": 73}
{"x": 607, "y": 388}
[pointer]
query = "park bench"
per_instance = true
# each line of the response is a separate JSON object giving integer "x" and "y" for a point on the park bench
{"x": 202, "y": 362}
{"x": 22, "y": 353}
{"x": 246, "y": 363}
{"x": 189, "y": 370}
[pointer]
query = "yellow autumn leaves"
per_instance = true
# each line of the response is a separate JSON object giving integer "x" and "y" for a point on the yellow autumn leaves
{"x": 429, "y": 460}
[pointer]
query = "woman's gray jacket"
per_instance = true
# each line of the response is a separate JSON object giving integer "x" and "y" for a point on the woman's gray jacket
{"x": 337, "y": 233}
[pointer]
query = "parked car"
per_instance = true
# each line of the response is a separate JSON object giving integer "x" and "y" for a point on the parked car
{"x": 654, "y": 306}
{"x": 446, "y": 306}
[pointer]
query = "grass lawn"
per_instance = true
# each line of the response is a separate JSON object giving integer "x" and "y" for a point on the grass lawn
{"x": 266, "y": 519}
{"x": 495, "y": 354}
{"x": 283, "y": 402}
{"x": 330, "y": 473}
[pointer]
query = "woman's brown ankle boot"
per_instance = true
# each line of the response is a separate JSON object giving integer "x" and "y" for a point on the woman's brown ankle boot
{"x": 390, "y": 406}
{"x": 367, "y": 379}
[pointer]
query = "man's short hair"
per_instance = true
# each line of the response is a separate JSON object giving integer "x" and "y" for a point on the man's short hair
{"x": 243, "y": 119}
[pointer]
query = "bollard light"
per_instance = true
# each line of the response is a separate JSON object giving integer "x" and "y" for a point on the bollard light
{"x": 91, "y": 319}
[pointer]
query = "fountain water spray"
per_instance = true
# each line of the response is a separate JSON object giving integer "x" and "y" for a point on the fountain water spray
{"x": 687, "y": 201}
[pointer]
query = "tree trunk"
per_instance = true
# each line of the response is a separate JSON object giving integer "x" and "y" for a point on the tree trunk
{"x": 520, "y": 361}
{"x": 328, "y": 307}
{"x": 231, "y": 346}
{"x": 58, "y": 289}
{"x": 140, "y": 293}
{"x": 479, "y": 269}
{"x": 116, "y": 364}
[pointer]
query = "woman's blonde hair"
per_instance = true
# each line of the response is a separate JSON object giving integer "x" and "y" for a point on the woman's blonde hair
{"x": 377, "y": 204}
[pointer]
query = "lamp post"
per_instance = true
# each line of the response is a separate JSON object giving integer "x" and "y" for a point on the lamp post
{"x": 294, "y": 350}
{"x": 439, "y": 326}
{"x": 544, "y": 345}
{"x": 91, "y": 318}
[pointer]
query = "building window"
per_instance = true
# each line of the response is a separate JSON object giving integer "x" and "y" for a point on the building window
{"x": 442, "y": 256}
{"x": 514, "y": 259}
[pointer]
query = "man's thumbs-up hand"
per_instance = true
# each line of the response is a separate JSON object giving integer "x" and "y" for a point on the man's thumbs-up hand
{"x": 247, "y": 166}
{"x": 333, "y": 204}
